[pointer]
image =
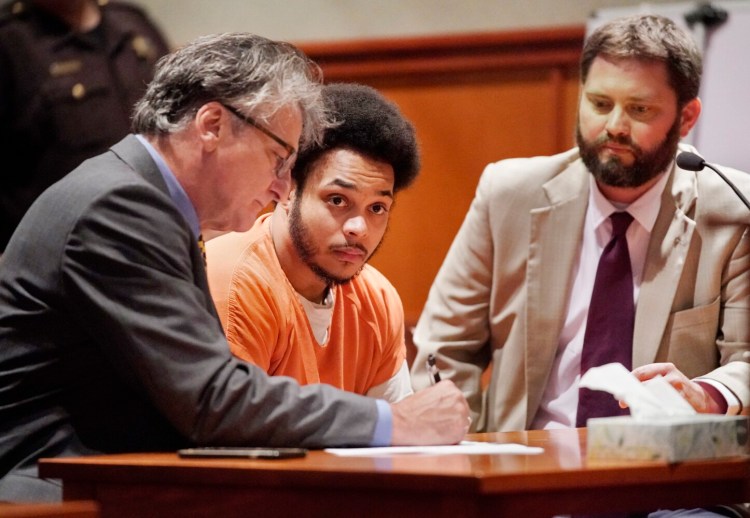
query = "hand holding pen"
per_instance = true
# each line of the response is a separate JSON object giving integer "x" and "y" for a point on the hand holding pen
{"x": 432, "y": 369}
{"x": 434, "y": 372}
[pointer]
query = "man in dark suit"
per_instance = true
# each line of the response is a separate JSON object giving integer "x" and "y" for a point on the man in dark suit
{"x": 109, "y": 340}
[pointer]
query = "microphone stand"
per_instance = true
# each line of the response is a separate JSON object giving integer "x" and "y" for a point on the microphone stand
{"x": 734, "y": 187}
{"x": 693, "y": 162}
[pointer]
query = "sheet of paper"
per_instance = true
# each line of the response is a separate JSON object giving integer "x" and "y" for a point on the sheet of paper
{"x": 464, "y": 447}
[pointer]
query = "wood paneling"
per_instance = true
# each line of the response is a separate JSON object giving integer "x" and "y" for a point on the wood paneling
{"x": 72, "y": 509}
{"x": 473, "y": 99}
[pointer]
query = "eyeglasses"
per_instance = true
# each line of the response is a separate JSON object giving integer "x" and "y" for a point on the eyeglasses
{"x": 282, "y": 164}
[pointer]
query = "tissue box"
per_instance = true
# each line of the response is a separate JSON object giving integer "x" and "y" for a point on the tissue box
{"x": 700, "y": 436}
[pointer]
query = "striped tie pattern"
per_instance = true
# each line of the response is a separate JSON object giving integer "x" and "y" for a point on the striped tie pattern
{"x": 202, "y": 246}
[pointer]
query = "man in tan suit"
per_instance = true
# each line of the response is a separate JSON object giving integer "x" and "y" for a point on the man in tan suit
{"x": 515, "y": 287}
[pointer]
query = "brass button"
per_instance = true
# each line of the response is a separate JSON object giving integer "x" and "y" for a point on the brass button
{"x": 78, "y": 91}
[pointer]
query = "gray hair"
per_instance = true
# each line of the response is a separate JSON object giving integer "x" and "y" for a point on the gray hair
{"x": 649, "y": 37}
{"x": 254, "y": 74}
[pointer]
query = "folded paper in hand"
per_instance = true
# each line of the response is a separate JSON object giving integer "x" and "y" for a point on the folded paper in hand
{"x": 646, "y": 400}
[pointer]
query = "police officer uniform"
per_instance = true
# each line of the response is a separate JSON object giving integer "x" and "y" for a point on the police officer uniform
{"x": 65, "y": 96}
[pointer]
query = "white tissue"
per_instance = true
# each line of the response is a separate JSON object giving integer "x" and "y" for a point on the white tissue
{"x": 651, "y": 399}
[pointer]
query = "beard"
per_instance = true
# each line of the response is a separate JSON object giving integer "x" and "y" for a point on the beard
{"x": 306, "y": 248}
{"x": 645, "y": 166}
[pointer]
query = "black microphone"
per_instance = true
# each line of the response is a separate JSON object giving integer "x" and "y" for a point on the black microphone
{"x": 692, "y": 162}
{"x": 706, "y": 14}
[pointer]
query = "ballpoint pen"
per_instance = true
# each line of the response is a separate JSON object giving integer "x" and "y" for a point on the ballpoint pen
{"x": 432, "y": 369}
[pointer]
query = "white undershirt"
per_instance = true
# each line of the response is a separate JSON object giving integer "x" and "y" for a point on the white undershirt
{"x": 319, "y": 315}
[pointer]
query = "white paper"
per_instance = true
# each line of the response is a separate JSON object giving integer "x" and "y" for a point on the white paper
{"x": 647, "y": 400}
{"x": 464, "y": 447}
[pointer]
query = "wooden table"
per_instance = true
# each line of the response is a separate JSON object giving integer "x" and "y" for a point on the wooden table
{"x": 558, "y": 481}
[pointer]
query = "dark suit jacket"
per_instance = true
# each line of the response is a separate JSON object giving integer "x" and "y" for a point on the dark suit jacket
{"x": 109, "y": 340}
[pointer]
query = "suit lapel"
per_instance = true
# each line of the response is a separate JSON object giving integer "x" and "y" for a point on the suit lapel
{"x": 554, "y": 244}
{"x": 132, "y": 152}
{"x": 665, "y": 258}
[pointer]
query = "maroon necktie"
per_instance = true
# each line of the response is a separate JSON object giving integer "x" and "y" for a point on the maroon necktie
{"x": 609, "y": 329}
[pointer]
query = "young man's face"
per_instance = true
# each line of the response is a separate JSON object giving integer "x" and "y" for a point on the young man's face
{"x": 629, "y": 123}
{"x": 339, "y": 220}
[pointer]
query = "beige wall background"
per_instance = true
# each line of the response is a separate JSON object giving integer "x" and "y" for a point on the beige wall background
{"x": 333, "y": 20}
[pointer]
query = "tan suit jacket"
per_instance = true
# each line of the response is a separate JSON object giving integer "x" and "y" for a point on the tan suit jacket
{"x": 501, "y": 294}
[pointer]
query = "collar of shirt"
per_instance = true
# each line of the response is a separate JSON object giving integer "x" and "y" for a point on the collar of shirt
{"x": 644, "y": 210}
{"x": 176, "y": 192}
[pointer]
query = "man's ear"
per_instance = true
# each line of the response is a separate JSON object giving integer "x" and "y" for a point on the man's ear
{"x": 689, "y": 116}
{"x": 210, "y": 121}
{"x": 287, "y": 203}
